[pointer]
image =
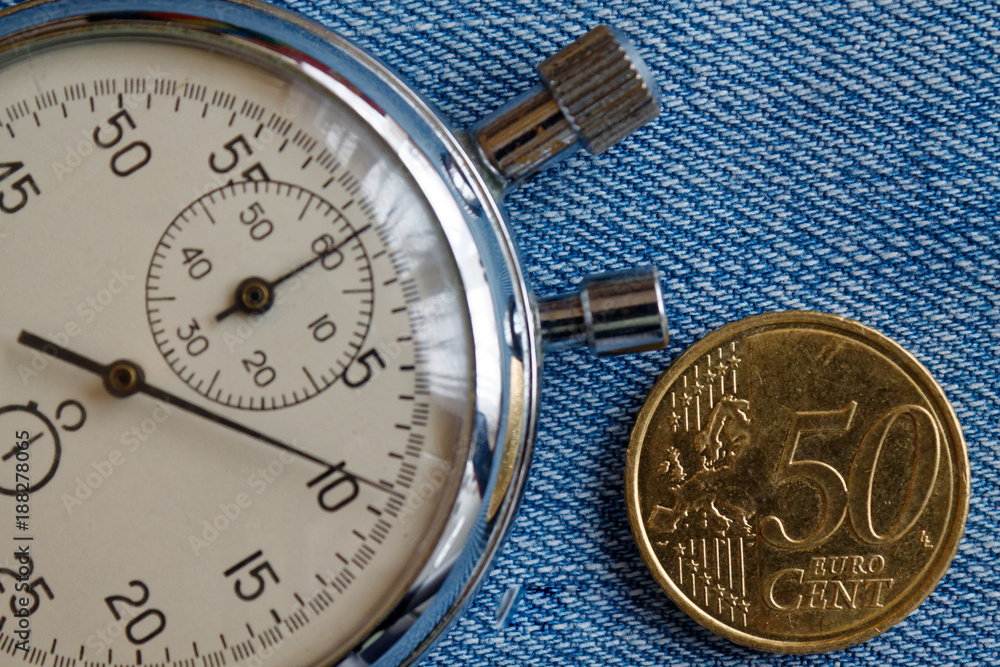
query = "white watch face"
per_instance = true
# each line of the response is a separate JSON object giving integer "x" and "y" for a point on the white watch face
{"x": 251, "y": 247}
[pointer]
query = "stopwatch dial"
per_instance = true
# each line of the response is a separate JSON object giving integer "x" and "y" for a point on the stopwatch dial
{"x": 284, "y": 455}
{"x": 232, "y": 261}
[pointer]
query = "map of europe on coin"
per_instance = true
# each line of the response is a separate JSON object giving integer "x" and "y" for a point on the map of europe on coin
{"x": 797, "y": 482}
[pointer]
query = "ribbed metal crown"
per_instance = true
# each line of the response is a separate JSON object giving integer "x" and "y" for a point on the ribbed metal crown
{"x": 599, "y": 84}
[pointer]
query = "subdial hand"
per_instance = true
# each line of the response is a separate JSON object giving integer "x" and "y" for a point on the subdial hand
{"x": 124, "y": 378}
{"x": 256, "y": 295}
{"x": 14, "y": 450}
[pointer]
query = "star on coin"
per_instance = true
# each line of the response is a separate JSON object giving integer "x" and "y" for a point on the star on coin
{"x": 739, "y": 574}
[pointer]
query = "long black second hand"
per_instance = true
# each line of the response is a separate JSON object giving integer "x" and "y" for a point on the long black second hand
{"x": 141, "y": 386}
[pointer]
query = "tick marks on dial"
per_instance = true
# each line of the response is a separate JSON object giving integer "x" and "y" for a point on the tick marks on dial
{"x": 421, "y": 413}
{"x": 116, "y": 382}
{"x": 311, "y": 380}
{"x": 407, "y": 473}
{"x": 380, "y": 531}
{"x": 392, "y": 507}
{"x": 414, "y": 447}
{"x": 194, "y": 91}
{"x": 305, "y": 209}
{"x": 164, "y": 103}
{"x": 363, "y": 557}
{"x": 279, "y": 125}
{"x": 207, "y": 212}
{"x": 274, "y": 615}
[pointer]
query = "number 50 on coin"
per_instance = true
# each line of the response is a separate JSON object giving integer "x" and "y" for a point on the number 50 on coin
{"x": 797, "y": 482}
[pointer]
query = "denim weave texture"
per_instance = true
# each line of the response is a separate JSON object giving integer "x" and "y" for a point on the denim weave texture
{"x": 838, "y": 156}
{"x": 832, "y": 156}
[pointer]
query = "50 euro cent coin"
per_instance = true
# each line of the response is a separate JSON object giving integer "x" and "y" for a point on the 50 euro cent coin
{"x": 797, "y": 482}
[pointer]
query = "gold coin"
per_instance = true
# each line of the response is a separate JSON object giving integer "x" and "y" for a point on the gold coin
{"x": 797, "y": 482}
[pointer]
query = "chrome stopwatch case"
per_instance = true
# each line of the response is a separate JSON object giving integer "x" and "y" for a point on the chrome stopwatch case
{"x": 270, "y": 365}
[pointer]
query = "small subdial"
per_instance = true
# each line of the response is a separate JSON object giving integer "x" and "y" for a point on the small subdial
{"x": 260, "y": 294}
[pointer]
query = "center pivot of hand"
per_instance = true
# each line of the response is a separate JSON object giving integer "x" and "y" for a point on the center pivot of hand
{"x": 123, "y": 378}
{"x": 254, "y": 295}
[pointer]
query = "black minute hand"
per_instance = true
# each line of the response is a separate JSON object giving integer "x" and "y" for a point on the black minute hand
{"x": 266, "y": 288}
{"x": 124, "y": 378}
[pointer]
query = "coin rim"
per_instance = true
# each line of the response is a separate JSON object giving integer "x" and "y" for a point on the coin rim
{"x": 917, "y": 371}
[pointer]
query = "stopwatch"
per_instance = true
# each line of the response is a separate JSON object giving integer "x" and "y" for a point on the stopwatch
{"x": 270, "y": 365}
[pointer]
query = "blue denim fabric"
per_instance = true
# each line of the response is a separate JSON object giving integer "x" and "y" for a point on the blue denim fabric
{"x": 837, "y": 156}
